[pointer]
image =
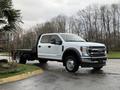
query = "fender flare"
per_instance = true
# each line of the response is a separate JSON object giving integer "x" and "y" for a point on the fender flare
{"x": 75, "y": 51}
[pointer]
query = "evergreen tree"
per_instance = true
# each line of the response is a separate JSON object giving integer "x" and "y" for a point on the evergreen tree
{"x": 9, "y": 17}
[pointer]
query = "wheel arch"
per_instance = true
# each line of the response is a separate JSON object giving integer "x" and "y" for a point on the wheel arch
{"x": 71, "y": 51}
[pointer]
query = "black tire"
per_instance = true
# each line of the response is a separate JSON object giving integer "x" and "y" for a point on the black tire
{"x": 43, "y": 61}
{"x": 75, "y": 63}
{"x": 17, "y": 59}
{"x": 97, "y": 68}
{"x": 23, "y": 59}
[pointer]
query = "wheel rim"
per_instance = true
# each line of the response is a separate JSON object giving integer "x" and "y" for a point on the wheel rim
{"x": 70, "y": 64}
{"x": 17, "y": 59}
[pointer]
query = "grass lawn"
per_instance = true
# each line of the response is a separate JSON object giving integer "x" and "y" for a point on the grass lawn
{"x": 18, "y": 70}
{"x": 114, "y": 55}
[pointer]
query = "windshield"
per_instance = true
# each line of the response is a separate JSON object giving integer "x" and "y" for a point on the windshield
{"x": 72, "y": 38}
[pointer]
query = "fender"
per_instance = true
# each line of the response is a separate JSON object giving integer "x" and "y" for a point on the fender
{"x": 70, "y": 51}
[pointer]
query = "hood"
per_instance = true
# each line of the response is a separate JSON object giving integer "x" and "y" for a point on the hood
{"x": 86, "y": 44}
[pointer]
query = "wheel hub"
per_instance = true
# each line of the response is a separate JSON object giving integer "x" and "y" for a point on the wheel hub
{"x": 70, "y": 64}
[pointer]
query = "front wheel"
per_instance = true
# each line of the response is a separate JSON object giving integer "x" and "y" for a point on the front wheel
{"x": 71, "y": 64}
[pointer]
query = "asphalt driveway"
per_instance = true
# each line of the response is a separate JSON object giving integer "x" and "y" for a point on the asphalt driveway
{"x": 55, "y": 77}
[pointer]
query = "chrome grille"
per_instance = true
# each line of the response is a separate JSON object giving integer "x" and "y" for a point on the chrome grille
{"x": 95, "y": 51}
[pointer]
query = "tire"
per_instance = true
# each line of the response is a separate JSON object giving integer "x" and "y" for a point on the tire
{"x": 23, "y": 59}
{"x": 43, "y": 61}
{"x": 97, "y": 68}
{"x": 17, "y": 59}
{"x": 71, "y": 64}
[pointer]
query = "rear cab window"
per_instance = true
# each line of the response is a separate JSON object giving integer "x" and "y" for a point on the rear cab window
{"x": 45, "y": 39}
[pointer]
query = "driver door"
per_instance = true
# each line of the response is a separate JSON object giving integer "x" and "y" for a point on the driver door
{"x": 55, "y": 49}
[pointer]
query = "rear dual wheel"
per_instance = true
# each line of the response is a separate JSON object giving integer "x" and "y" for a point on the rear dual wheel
{"x": 21, "y": 59}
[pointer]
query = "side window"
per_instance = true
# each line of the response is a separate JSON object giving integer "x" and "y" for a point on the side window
{"x": 55, "y": 37}
{"x": 45, "y": 39}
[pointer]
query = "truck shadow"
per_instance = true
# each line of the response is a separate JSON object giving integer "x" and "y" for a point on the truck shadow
{"x": 59, "y": 73}
{"x": 59, "y": 69}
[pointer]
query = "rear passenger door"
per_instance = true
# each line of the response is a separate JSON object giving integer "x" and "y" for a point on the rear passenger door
{"x": 43, "y": 50}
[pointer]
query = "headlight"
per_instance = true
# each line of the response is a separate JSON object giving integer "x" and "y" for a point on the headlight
{"x": 84, "y": 51}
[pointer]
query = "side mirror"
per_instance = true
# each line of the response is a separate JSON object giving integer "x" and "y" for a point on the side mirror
{"x": 59, "y": 42}
{"x": 53, "y": 41}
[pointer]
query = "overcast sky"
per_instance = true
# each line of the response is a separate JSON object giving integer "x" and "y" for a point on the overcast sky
{"x": 38, "y": 11}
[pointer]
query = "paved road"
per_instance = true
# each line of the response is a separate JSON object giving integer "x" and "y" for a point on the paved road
{"x": 55, "y": 77}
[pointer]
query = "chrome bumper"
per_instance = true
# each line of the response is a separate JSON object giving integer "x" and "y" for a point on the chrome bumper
{"x": 93, "y": 61}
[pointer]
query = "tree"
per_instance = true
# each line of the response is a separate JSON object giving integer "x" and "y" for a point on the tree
{"x": 9, "y": 17}
{"x": 59, "y": 23}
{"x": 96, "y": 24}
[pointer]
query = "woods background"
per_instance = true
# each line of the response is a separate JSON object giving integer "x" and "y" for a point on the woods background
{"x": 95, "y": 24}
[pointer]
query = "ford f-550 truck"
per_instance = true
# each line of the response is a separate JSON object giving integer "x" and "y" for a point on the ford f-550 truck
{"x": 70, "y": 49}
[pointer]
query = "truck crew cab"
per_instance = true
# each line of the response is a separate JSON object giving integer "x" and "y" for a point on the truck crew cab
{"x": 70, "y": 49}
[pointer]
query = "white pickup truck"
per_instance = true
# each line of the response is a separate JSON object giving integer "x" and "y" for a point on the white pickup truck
{"x": 70, "y": 49}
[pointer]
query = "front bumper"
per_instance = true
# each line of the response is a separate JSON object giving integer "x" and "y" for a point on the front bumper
{"x": 93, "y": 61}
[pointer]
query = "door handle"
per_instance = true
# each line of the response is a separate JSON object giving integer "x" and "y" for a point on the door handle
{"x": 49, "y": 46}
